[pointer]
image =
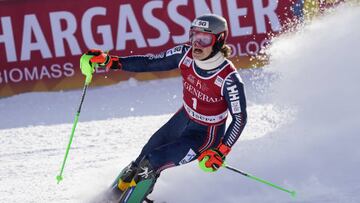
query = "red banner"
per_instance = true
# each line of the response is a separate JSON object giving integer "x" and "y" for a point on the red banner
{"x": 41, "y": 41}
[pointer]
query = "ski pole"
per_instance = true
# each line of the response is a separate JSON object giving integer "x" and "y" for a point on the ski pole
{"x": 292, "y": 193}
{"x": 59, "y": 177}
{"x": 87, "y": 69}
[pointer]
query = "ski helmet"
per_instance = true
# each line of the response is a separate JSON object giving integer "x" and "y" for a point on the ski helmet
{"x": 213, "y": 24}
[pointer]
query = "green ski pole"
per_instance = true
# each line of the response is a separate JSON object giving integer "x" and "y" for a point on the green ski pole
{"x": 292, "y": 193}
{"x": 89, "y": 70}
{"x": 59, "y": 177}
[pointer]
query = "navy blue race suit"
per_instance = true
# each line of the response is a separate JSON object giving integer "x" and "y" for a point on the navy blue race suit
{"x": 184, "y": 137}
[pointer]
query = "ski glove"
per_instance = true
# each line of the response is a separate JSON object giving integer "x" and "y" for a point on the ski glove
{"x": 212, "y": 159}
{"x": 101, "y": 59}
{"x": 104, "y": 59}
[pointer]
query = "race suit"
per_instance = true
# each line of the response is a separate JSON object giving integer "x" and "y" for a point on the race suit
{"x": 208, "y": 96}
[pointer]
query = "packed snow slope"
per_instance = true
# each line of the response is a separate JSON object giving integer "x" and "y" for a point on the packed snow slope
{"x": 303, "y": 130}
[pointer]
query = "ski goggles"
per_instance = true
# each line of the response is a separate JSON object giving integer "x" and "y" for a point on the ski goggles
{"x": 202, "y": 39}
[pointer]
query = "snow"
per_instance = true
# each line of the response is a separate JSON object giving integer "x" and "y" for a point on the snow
{"x": 303, "y": 130}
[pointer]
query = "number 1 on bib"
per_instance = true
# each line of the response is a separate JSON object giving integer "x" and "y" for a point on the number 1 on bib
{"x": 194, "y": 103}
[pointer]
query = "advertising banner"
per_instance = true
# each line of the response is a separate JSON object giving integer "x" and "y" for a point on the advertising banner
{"x": 41, "y": 41}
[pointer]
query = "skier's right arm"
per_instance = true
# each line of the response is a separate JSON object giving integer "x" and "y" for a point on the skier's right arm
{"x": 164, "y": 61}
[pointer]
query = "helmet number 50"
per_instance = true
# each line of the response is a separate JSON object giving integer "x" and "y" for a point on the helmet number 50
{"x": 194, "y": 103}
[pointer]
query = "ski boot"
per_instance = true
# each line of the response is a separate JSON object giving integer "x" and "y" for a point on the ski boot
{"x": 145, "y": 179}
{"x": 122, "y": 182}
{"x": 126, "y": 177}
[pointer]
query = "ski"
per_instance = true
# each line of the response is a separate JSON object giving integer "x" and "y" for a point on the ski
{"x": 138, "y": 193}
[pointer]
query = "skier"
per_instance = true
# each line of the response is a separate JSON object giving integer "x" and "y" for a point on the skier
{"x": 211, "y": 88}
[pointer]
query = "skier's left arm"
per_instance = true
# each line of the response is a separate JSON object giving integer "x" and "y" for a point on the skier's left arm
{"x": 234, "y": 94}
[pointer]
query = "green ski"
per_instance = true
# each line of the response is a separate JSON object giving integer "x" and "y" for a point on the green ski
{"x": 138, "y": 193}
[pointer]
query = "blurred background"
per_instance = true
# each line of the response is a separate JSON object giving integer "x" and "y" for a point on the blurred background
{"x": 41, "y": 41}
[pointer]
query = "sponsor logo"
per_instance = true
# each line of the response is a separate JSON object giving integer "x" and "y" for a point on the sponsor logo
{"x": 175, "y": 50}
{"x": 35, "y": 73}
{"x": 233, "y": 93}
{"x": 219, "y": 81}
{"x": 204, "y": 118}
{"x": 187, "y": 61}
{"x": 201, "y": 85}
{"x": 235, "y": 107}
{"x": 234, "y": 98}
{"x": 199, "y": 94}
{"x": 188, "y": 157}
{"x": 191, "y": 79}
{"x": 156, "y": 56}
{"x": 201, "y": 23}
{"x": 214, "y": 71}
{"x": 196, "y": 82}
